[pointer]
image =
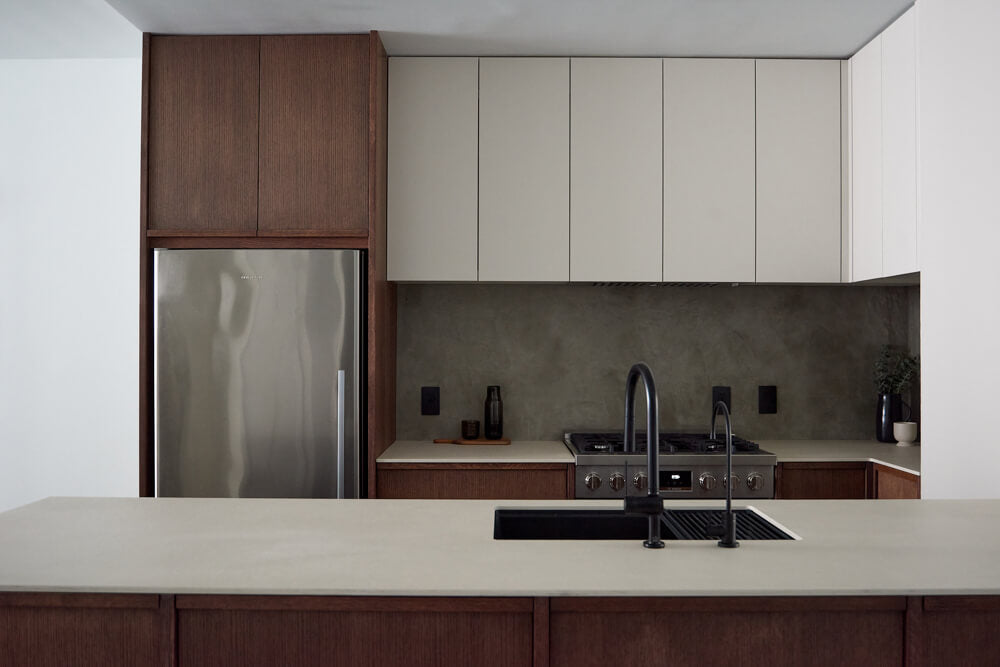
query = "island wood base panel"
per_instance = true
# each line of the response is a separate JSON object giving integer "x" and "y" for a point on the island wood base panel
{"x": 167, "y": 630}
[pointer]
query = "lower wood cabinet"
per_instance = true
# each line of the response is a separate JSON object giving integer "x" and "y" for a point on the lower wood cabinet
{"x": 56, "y": 629}
{"x": 477, "y": 481}
{"x": 802, "y": 481}
{"x": 843, "y": 481}
{"x": 890, "y": 483}
{"x": 219, "y": 630}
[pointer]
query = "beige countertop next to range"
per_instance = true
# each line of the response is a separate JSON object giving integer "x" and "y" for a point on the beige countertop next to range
{"x": 906, "y": 459}
{"x": 446, "y": 547}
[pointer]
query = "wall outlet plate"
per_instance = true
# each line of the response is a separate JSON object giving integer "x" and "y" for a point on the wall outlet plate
{"x": 724, "y": 394}
{"x": 430, "y": 400}
{"x": 767, "y": 399}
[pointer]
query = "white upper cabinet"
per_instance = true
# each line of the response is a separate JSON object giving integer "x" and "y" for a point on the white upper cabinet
{"x": 899, "y": 146}
{"x": 708, "y": 170}
{"x": 433, "y": 162}
{"x": 524, "y": 169}
{"x": 866, "y": 162}
{"x": 798, "y": 171}
{"x": 616, "y": 160}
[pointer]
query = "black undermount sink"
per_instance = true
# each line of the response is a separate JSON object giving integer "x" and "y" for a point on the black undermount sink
{"x": 607, "y": 524}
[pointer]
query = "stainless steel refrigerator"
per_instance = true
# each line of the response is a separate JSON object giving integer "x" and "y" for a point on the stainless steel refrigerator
{"x": 257, "y": 373}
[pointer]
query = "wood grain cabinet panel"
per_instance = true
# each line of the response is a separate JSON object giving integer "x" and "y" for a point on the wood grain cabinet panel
{"x": 524, "y": 169}
{"x": 801, "y": 481}
{"x": 520, "y": 481}
{"x": 202, "y": 134}
{"x": 708, "y": 170}
{"x": 724, "y": 631}
{"x": 314, "y": 135}
{"x": 798, "y": 171}
{"x": 54, "y": 630}
{"x": 889, "y": 483}
{"x": 360, "y": 633}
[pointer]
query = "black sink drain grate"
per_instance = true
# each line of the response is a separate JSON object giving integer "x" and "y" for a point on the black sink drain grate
{"x": 694, "y": 525}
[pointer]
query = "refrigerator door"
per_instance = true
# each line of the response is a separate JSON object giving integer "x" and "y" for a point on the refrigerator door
{"x": 256, "y": 373}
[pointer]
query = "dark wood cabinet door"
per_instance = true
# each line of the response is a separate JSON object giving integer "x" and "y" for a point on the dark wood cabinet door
{"x": 202, "y": 134}
{"x": 314, "y": 135}
{"x": 480, "y": 481}
{"x": 890, "y": 483}
{"x": 803, "y": 481}
{"x": 354, "y": 631}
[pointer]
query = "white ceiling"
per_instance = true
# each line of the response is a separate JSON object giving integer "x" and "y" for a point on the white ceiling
{"x": 66, "y": 29}
{"x": 782, "y": 28}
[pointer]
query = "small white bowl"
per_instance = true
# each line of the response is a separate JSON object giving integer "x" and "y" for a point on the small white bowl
{"x": 905, "y": 433}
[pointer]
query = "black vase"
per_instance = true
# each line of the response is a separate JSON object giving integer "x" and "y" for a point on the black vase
{"x": 493, "y": 414}
{"x": 890, "y": 409}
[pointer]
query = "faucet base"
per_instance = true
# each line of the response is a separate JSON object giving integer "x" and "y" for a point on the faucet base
{"x": 729, "y": 545}
{"x": 658, "y": 544}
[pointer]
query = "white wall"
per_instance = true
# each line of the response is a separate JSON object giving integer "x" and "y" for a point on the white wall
{"x": 959, "y": 246}
{"x": 69, "y": 231}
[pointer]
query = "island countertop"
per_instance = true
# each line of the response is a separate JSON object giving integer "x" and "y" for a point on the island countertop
{"x": 446, "y": 547}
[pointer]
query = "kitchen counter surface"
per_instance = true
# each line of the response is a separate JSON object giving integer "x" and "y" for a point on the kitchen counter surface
{"x": 518, "y": 451}
{"x": 906, "y": 459}
{"x": 446, "y": 547}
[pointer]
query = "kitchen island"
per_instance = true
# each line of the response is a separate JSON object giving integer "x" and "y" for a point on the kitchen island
{"x": 214, "y": 581}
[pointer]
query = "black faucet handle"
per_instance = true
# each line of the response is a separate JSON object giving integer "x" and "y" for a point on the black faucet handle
{"x": 644, "y": 504}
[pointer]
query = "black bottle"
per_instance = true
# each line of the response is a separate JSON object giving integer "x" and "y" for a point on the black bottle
{"x": 493, "y": 413}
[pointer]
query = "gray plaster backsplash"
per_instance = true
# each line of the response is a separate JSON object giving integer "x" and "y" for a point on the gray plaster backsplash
{"x": 561, "y": 353}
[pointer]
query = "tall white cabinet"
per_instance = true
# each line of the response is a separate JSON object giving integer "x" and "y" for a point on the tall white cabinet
{"x": 524, "y": 169}
{"x": 866, "y": 162}
{"x": 899, "y": 146}
{"x": 798, "y": 171}
{"x": 616, "y": 159}
{"x": 433, "y": 167}
{"x": 708, "y": 170}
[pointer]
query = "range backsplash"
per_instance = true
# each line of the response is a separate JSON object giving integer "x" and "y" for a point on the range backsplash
{"x": 561, "y": 352}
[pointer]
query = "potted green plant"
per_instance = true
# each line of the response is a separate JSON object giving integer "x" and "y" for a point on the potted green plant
{"x": 894, "y": 371}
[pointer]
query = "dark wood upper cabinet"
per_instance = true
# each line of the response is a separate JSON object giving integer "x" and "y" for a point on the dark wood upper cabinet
{"x": 202, "y": 134}
{"x": 314, "y": 135}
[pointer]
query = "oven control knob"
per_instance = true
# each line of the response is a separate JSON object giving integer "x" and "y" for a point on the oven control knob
{"x": 707, "y": 481}
{"x": 640, "y": 481}
{"x": 736, "y": 481}
{"x": 755, "y": 481}
{"x": 593, "y": 481}
{"x": 617, "y": 482}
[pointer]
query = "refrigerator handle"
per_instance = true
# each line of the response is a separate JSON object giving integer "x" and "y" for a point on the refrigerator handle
{"x": 340, "y": 432}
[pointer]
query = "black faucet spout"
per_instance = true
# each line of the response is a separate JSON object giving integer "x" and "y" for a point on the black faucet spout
{"x": 651, "y": 504}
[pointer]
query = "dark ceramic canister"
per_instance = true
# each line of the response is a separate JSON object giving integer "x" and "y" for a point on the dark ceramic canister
{"x": 890, "y": 409}
{"x": 493, "y": 414}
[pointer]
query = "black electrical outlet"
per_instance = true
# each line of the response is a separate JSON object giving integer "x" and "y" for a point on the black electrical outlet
{"x": 723, "y": 394}
{"x": 430, "y": 400}
{"x": 767, "y": 399}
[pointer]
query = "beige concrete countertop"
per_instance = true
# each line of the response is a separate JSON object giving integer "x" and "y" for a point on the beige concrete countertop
{"x": 518, "y": 451}
{"x": 446, "y": 547}
{"x": 906, "y": 459}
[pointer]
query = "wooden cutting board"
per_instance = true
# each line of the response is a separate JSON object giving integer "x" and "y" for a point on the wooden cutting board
{"x": 477, "y": 441}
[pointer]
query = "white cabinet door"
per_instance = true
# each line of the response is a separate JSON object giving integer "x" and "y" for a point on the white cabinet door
{"x": 708, "y": 170}
{"x": 866, "y": 162}
{"x": 798, "y": 171}
{"x": 899, "y": 146}
{"x": 524, "y": 169}
{"x": 432, "y": 198}
{"x": 616, "y": 162}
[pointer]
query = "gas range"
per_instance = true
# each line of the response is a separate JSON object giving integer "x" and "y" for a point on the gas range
{"x": 692, "y": 466}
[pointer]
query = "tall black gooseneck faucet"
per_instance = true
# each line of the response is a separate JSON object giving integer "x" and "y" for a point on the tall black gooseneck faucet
{"x": 728, "y": 532}
{"x": 651, "y": 504}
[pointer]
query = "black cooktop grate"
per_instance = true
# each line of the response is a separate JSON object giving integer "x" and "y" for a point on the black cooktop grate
{"x": 693, "y": 525}
{"x": 670, "y": 443}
